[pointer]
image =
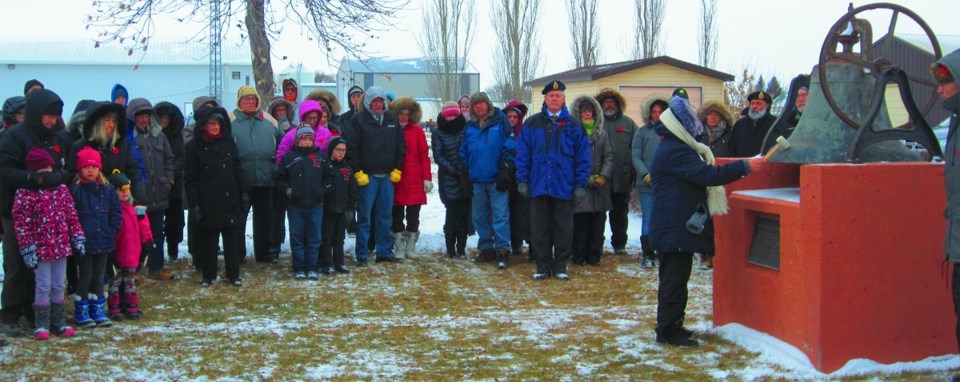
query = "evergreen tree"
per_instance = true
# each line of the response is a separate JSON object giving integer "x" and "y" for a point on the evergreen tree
{"x": 774, "y": 87}
{"x": 760, "y": 85}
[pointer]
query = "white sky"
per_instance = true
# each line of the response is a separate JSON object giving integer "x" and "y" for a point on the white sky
{"x": 774, "y": 37}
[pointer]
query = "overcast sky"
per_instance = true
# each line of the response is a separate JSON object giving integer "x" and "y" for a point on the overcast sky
{"x": 774, "y": 37}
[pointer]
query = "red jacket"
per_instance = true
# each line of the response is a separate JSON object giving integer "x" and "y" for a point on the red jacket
{"x": 416, "y": 168}
{"x": 133, "y": 233}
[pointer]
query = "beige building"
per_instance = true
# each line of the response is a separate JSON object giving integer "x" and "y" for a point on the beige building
{"x": 636, "y": 80}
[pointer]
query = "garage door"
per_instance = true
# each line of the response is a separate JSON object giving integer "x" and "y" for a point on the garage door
{"x": 636, "y": 94}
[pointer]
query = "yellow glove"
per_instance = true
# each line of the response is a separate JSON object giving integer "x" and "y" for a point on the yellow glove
{"x": 600, "y": 181}
{"x": 395, "y": 176}
{"x": 362, "y": 179}
{"x": 646, "y": 178}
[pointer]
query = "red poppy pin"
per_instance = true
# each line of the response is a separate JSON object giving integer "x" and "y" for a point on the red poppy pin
{"x": 562, "y": 123}
{"x": 313, "y": 156}
{"x": 116, "y": 151}
{"x": 56, "y": 148}
{"x": 619, "y": 129}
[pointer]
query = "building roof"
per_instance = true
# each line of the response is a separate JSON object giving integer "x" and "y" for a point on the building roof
{"x": 412, "y": 65}
{"x": 592, "y": 73}
{"x": 948, "y": 43}
{"x": 159, "y": 52}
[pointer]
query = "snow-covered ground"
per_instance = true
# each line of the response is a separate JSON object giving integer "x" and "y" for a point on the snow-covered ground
{"x": 779, "y": 359}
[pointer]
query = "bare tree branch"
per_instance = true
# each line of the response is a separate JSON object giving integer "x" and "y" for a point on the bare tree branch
{"x": 584, "y": 31}
{"x": 647, "y": 33}
{"x": 517, "y": 59}
{"x": 707, "y": 51}
{"x": 445, "y": 41}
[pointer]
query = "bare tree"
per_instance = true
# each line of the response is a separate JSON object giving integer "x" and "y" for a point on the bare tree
{"x": 735, "y": 93}
{"x": 445, "y": 42}
{"x": 647, "y": 32}
{"x": 584, "y": 32}
{"x": 708, "y": 33}
{"x": 518, "y": 59}
{"x": 333, "y": 25}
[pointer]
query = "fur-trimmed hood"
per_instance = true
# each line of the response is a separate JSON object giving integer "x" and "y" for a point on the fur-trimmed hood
{"x": 279, "y": 100}
{"x": 647, "y": 102}
{"x": 580, "y": 101}
{"x": 612, "y": 93}
{"x": 405, "y": 102}
{"x": 718, "y": 107}
{"x": 326, "y": 98}
{"x": 97, "y": 111}
{"x": 176, "y": 117}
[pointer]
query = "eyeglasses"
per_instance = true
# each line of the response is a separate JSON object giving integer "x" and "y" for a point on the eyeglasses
{"x": 339, "y": 150}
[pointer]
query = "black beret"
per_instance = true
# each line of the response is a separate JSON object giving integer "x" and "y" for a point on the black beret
{"x": 553, "y": 85}
{"x": 760, "y": 95}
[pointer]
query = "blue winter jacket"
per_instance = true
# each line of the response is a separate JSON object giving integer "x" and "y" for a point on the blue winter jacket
{"x": 488, "y": 147}
{"x": 557, "y": 167}
{"x": 98, "y": 209}
{"x": 680, "y": 179}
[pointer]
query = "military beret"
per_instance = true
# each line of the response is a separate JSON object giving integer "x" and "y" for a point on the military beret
{"x": 553, "y": 85}
{"x": 760, "y": 95}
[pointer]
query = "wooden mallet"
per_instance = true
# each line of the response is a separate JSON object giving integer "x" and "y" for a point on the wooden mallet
{"x": 782, "y": 143}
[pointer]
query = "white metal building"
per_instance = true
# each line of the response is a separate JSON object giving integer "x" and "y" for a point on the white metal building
{"x": 170, "y": 70}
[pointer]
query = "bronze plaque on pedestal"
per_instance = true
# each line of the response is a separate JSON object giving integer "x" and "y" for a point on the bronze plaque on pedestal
{"x": 765, "y": 246}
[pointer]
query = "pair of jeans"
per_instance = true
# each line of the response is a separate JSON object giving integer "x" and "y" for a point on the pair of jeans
{"x": 491, "y": 216}
{"x": 306, "y": 235}
{"x": 646, "y": 209}
{"x": 155, "y": 259}
{"x": 379, "y": 190}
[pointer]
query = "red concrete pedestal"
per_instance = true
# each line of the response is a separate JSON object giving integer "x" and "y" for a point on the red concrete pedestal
{"x": 861, "y": 262}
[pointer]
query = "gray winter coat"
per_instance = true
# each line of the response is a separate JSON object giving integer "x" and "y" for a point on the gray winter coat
{"x": 621, "y": 129}
{"x": 601, "y": 163}
{"x": 257, "y": 139}
{"x": 645, "y": 143}
{"x": 952, "y": 167}
{"x": 158, "y": 159}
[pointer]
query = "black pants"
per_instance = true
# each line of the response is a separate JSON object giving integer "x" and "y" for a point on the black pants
{"x": 92, "y": 268}
{"x": 588, "y": 237}
{"x": 279, "y": 226}
{"x": 173, "y": 227}
{"x": 552, "y": 233}
{"x": 519, "y": 220}
{"x": 261, "y": 202}
{"x": 19, "y": 283}
{"x": 207, "y": 240}
{"x": 455, "y": 225}
{"x": 412, "y": 216}
{"x": 675, "y": 270}
{"x": 334, "y": 233}
{"x": 619, "y": 219}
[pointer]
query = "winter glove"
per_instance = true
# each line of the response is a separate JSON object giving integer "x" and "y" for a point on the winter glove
{"x": 395, "y": 176}
{"x": 146, "y": 249}
{"x": 601, "y": 180}
{"x": 362, "y": 179}
{"x": 646, "y": 178}
{"x": 30, "y": 258}
{"x": 245, "y": 202}
{"x": 79, "y": 245}
{"x": 523, "y": 189}
{"x": 141, "y": 210}
{"x": 195, "y": 215}
{"x": 579, "y": 192}
{"x": 289, "y": 192}
{"x": 52, "y": 179}
{"x": 427, "y": 186}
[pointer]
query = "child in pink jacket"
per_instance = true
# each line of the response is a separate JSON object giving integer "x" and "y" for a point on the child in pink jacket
{"x": 310, "y": 114}
{"x": 133, "y": 239}
{"x": 47, "y": 228}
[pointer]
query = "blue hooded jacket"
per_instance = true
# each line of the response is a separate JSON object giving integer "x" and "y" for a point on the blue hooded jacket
{"x": 553, "y": 155}
{"x": 488, "y": 147}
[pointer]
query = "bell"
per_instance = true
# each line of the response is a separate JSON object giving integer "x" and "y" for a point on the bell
{"x": 822, "y": 137}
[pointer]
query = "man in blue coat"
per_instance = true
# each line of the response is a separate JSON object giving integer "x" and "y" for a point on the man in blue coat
{"x": 553, "y": 165}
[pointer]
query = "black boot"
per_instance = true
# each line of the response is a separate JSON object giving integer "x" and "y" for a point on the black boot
{"x": 173, "y": 252}
{"x": 461, "y": 242}
{"x": 451, "y": 239}
{"x": 503, "y": 255}
{"x": 648, "y": 257}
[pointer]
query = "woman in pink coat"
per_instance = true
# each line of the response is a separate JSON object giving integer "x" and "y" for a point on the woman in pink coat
{"x": 411, "y": 191}
{"x": 133, "y": 238}
{"x": 311, "y": 114}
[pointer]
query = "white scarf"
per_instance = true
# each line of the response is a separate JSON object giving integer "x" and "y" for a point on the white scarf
{"x": 716, "y": 195}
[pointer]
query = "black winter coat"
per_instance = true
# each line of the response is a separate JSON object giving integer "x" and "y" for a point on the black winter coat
{"x": 19, "y": 139}
{"x": 121, "y": 157}
{"x": 342, "y": 195}
{"x": 680, "y": 179}
{"x": 375, "y": 148}
{"x": 306, "y": 174}
{"x": 174, "y": 134}
{"x": 445, "y": 142}
{"x": 748, "y": 135}
{"x": 214, "y": 179}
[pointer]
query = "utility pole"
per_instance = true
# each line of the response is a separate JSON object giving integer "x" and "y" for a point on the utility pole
{"x": 216, "y": 57}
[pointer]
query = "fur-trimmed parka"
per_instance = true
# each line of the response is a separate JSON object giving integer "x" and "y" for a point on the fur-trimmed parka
{"x": 720, "y": 146}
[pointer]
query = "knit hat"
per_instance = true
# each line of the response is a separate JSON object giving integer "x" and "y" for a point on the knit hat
{"x": 516, "y": 105}
{"x": 479, "y": 97}
{"x": 38, "y": 159}
{"x": 304, "y": 131}
{"x": 89, "y": 157}
{"x": 248, "y": 91}
{"x": 680, "y": 92}
{"x": 333, "y": 144}
{"x": 118, "y": 180}
{"x": 464, "y": 99}
{"x": 686, "y": 115}
{"x": 30, "y": 84}
{"x": 354, "y": 90}
{"x": 450, "y": 109}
